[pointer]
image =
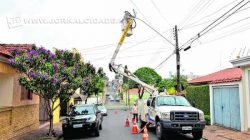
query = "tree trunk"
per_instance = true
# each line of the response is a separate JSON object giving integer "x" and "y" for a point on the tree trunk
{"x": 51, "y": 129}
{"x": 51, "y": 118}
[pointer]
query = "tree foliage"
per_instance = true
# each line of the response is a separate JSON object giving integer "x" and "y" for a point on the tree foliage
{"x": 51, "y": 76}
{"x": 170, "y": 83}
{"x": 147, "y": 75}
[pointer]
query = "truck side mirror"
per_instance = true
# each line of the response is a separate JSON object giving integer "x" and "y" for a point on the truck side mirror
{"x": 193, "y": 104}
{"x": 148, "y": 102}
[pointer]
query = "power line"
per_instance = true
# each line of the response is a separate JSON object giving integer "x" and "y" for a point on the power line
{"x": 199, "y": 10}
{"x": 191, "y": 24}
{"x": 207, "y": 27}
{"x": 138, "y": 43}
{"x": 224, "y": 18}
{"x": 139, "y": 10}
{"x": 164, "y": 60}
{"x": 159, "y": 11}
{"x": 201, "y": 33}
{"x": 195, "y": 7}
{"x": 231, "y": 24}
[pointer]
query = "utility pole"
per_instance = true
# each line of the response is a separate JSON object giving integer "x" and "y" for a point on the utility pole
{"x": 177, "y": 51}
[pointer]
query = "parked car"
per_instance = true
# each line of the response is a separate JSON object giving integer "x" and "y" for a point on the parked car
{"x": 82, "y": 118}
{"x": 111, "y": 98}
{"x": 103, "y": 110}
{"x": 117, "y": 98}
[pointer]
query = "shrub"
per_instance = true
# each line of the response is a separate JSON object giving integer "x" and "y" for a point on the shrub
{"x": 199, "y": 95}
{"x": 207, "y": 118}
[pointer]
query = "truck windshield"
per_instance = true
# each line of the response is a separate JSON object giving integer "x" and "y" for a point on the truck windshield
{"x": 82, "y": 110}
{"x": 172, "y": 101}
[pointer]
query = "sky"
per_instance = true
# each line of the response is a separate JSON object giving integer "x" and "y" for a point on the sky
{"x": 93, "y": 28}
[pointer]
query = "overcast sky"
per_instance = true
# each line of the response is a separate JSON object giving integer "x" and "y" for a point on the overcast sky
{"x": 93, "y": 28}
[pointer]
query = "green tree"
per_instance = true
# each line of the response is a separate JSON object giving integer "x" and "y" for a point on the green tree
{"x": 147, "y": 75}
{"x": 94, "y": 83}
{"x": 170, "y": 83}
{"x": 51, "y": 76}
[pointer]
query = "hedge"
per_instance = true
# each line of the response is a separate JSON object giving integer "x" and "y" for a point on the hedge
{"x": 200, "y": 96}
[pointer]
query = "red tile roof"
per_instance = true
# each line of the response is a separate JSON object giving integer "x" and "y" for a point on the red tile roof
{"x": 7, "y": 48}
{"x": 223, "y": 76}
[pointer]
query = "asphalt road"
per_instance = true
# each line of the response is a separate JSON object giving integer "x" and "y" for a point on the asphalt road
{"x": 114, "y": 127}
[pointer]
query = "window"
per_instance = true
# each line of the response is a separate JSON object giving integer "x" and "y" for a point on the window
{"x": 26, "y": 94}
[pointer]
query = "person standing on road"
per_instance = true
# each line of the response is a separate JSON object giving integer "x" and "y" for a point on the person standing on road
{"x": 135, "y": 112}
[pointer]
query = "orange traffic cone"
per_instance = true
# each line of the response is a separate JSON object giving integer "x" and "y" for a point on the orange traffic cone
{"x": 134, "y": 129}
{"x": 133, "y": 120}
{"x": 145, "y": 134}
{"x": 127, "y": 123}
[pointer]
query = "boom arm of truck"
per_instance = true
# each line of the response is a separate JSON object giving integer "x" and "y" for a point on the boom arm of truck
{"x": 119, "y": 69}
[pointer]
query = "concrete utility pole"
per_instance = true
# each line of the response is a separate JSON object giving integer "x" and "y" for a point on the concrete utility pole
{"x": 177, "y": 60}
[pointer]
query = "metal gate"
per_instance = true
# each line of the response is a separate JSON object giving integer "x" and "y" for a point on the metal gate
{"x": 227, "y": 106}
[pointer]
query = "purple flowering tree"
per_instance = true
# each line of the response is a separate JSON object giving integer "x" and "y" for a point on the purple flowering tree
{"x": 51, "y": 76}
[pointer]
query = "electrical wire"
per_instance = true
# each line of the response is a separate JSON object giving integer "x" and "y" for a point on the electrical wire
{"x": 199, "y": 20}
{"x": 159, "y": 11}
{"x": 189, "y": 27}
{"x": 195, "y": 7}
{"x": 203, "y": 7}
{"x": 138, "y": 43}
{"x": 138, "y": 9}
{"x": 201, "y": 33}
{"x": 165, "y": 60}
{"x": 231, "y": 24}
{"x": 224, "y": 19}
{"x": 207, "y": 27}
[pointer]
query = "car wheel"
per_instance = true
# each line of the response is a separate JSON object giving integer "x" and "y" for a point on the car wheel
{"x": 97, "y": 133}
{"x": 100, "y": 127}
{"x": 197, "y": 135}
{"x": 159, "y": 133}
{"x": 65, "y": 134}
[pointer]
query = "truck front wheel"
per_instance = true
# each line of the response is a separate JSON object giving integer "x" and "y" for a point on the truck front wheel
{"x": 159, "y": 133}
{"x": 197, "y": 135}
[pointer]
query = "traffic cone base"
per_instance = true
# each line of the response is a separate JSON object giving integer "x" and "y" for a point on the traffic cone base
{"x": 127, "y": 123}
{"x": 133, "y": 120}
{"x": 145, "y": 134}
{"x": 134, "y": 129}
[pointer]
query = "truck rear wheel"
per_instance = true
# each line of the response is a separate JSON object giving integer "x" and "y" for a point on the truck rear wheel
{"x": 141, "y": 123}
{"x": 159, "y": 133}
{"x": 197, "y": 135}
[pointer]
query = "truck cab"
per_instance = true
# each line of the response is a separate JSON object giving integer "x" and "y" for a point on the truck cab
{"x": 170, "y": 113}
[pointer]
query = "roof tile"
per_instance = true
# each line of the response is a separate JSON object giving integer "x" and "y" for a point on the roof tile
{"x": 223, "y": 76}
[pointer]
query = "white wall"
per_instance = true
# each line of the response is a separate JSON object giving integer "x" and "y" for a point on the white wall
{"x": 246, "y": 82}
{"x": 6, "y": 89}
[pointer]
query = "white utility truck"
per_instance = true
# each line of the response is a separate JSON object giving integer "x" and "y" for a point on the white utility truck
{"x": 167, "y": 113}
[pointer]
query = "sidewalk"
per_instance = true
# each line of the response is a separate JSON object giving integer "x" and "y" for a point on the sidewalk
{"x": 40, "y": 133}
{"x": 220, "y": 133}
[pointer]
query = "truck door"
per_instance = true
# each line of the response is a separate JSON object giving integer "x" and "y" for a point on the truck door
{"x": 151, "y": 111}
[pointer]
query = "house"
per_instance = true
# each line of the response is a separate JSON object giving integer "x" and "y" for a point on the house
{"x": 19, "y": 108}
{"x": 244, "y": 64}
{"x": 227, "y": 98}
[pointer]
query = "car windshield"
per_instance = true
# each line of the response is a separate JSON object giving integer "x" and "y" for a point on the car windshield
{"x": 172, "y": 101}
{"x": 101, "y": 107}
{"x": 82, "y": 110}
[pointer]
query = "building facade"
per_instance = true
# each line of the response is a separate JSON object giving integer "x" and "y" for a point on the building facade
{"x": 19, "y": 108}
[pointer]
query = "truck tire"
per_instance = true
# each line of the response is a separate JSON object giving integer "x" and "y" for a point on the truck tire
{"x": 159, "y": 133}
{"x": 197, "y": 135}
{"x": 141, "y": 123}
